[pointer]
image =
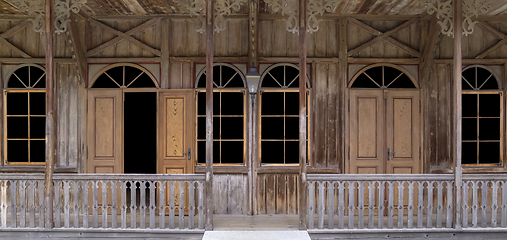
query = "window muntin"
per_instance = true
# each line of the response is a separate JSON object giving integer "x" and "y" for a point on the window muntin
{"x": 25, "y": 116}
{"x": 279, "y": 116}
{"x": 482, "y": 118}
{"x": 124, "y": 76}
{"x": 381, "y": 76}
{"x": 229, "y": 121}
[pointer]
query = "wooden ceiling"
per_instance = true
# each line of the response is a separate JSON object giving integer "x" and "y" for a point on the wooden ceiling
{"x": 162, "y": 7}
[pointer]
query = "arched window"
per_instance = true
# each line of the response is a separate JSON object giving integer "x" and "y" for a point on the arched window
{"x": 383, "y": 76}
{"x": 279, "y": 115}
{"x": 25, "y": 116}
{"x": 229, "y": 101}
{"x": 124, "y": 76}
{"x": 482, "y": 117}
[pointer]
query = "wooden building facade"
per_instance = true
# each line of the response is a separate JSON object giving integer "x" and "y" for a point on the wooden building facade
{"x": 130, "y": 96}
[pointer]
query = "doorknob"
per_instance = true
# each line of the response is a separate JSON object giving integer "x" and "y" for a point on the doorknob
{"x": 389, "y": 154}
{"x": 188, "y": 154}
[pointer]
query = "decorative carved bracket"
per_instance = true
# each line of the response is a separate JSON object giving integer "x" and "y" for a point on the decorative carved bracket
{"x": 290, "y": 8}
{"x": 197, "y": 8}
{"x": 444, "y": 12}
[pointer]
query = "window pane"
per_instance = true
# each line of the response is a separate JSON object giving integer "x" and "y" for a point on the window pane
{"x": 202, "y": 81}
{"x": 116, "y": 73}
{"x": 37, "y": 127}
{"x": 292, "y": 103}
{"x": 489, "y": 129}
{"x": 390, "y": 74}
{"x": 402, "y": 82}
{"x": 131, "y": 73}
{"x": 491, "y": 84}
{"x": 17, "y": 103}
{"x": 482, "y": 76}
{"x": 279, "y": 74}
{"x": 292, "y": 152}
{"x": 232, "y": 103}
{"x": 292, "y": 75}
{"x": 216, "y": 127}
{"x": 268, "y": 81}
{"x": 233, "y": 127}
{"x": 489, "y": 105}
{"x": 362, "y": 81}
{"x": 103, "y": 81}
{"x": 201, "y": 128}
{"x": 469, "y": 103}
{"x": 272, "y": 128}
{"x": 232, "y": 152}
{"x": 469, "y": 153}
{"x": 272, "y": 103}
{"x": 201, "y": 151}
{"x": 469, "y": 128}
{"x": 201, "y": 103}
{"x": 292, "y": 128}
{"x": 271, "y": 152}
{"x": 17, "y": 127}
{"x": 37, "y": 150}
{"x": 376, "y": 74}
{"x": 489, "y": 152}
{"x": 144, "y": 81}
{"x": 17, "y": 151}
{"x": 36, "y": 74}
{"x": 216, "y": 152}
{"x": 37, "y": 103}
{"x": 469, "y": 75}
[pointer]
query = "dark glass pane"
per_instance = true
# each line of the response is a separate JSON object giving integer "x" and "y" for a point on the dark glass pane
{"x": 37, "y": 151}
{"x": 292, "y": 77}
{"x": 292, "y": 128}
{"x": 232, "y": 152}
{"x": 279, "y": 74}
{"x": 469, "y": 103}
{"x": 469, "y": 75}
{"x": 469, "y": 153}
{"x": 103, "y": 81}
{"x": 489, "y": 105}
{"x": 402, "y": 82}
{"x": 232, "y": 103}
{"x": 362, "y": 81}
{"x": 272, "y": 128}
{"x": 227, "y": 74}
{"x": 216, "y": 128}
{"x": 23, "y": 75}
{"x": 466, "y": 85}
{"x": 201, "y": 103}
{"x": 14, "y": 82}
{"x": 202, "y": 81}
{"x": 116, "y": 73}
{"x": 271, "y": 152}
{"x": 216, "y": 152}
{"x": 292, "y": 103}
{"x": 292, "y": 152}
{"x": 489, "y": 129}
{"x": 491, "y": 84}
{"x": 36, "y": 74}
{"x": 17, "y": 127}
{"x": 144, "y": 81}
{"x": 201, "y": 151}
{"x": 269, "y": 82}
{"x": 272, "y": 103}
{"x": 17, "y": 151}
{"x": 216, "y": 76}
{"x": 37, "y": 127}
{"x": 233, "y": 127}
{"x": 216, "y": 103}
{"x": 469, "y": 129}
{"x": 390, "y": 74}
{"x": 131, "y": 73}
{"x": 482, "y": 76}
{"x": 489, "y": 152}
{"x": 375, "y": 74}
{"x": 235, "y": 82}
{"x": 37, "y": 103}
{"x": 17, "y": 103}
{"x": 201, "y": 128}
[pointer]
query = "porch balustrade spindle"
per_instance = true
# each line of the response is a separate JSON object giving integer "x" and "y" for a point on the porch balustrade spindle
{"x": 95, "y": 205}
{"x": 341, "y": 205}
{"x": 420, "y": 206}
{"x": 181, "y": 204}
{"x": 429, "y": 215}
{"x": 321, "y": 204}
{"x": 191, "y": 208}
{"x": 360, "y": 204}
{"x": 465, "y": 207}
{"x": 330, "y": 204}
{"x": 381, "y": 207}
{"x": 104, "y": 206}
{"x": 162, "y": 205}
{"x": 123, "y": 207}
{"x": 171, "y": 205}
{"x": 133, "y": 204}
{"x": 86, "y": 207}
{"x": 475, "y": 203}
{"x": 14, "y": 207}
{"x": 152, "y": 207}
{"x": 22, "y": 204}
{"x": 31, "y": 203}
{"x": 390, "y": 209}
{"x": 351, "y": 204}
{"x": 142, "y": 204}
{"x": 449, "y": 207}
{"x": 371, "y": 203}
{"x": 401, "y": 186}
{"x": 75, "y": 210}
{"x": 311, "y": 204}
{"x": 66, "y": 204}
{"x": 439, "y": 204}
{"x": 494, "y": 203}
{"x": 114, "y": 204}
{"x": 484, "y": 200}
{"x": 504, "y": 204}
{"x": 410, "y": 211}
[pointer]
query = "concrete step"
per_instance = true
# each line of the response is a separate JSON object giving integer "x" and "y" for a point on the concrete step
{"x": 256, "y": 235}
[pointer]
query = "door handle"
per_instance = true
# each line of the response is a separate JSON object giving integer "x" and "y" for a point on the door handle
{"x": 389, "y": 154}
{"x": 188, "y": 154}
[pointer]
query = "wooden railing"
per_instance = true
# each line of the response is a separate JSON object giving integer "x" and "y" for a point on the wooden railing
{"x": 107, "y": 201}
{"x": 417, "y": 202}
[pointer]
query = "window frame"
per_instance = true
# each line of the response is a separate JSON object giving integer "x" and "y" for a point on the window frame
{"x": 28, "y": 90}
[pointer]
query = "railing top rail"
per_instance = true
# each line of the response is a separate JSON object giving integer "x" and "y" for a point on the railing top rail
{"x": 491, "y": 177}
{"x": 137, "y": 177}
{"x": 380, "y": 177}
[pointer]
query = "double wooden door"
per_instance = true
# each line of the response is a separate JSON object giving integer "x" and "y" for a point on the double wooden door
{"x": 384, "y": 132}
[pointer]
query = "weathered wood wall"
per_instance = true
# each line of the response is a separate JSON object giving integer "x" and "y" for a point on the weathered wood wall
{"x": 277, "y": 193}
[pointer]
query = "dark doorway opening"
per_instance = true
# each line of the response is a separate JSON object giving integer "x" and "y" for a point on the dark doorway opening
{"x": 140, "y": 140}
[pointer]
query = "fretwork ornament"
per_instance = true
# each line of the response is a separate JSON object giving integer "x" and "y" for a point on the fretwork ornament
{"x": 444, "y": 12}
{"x": 36, "y": 12}
{"x": 290, "y": 8}
{"x": 197, "y": 8}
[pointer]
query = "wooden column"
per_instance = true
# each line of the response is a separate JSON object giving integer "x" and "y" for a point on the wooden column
{"x": 50, "y": 146}
{"x": 303, "y": 206}
{"x": 209, "y": 114}
{"x": 457, "y": 63}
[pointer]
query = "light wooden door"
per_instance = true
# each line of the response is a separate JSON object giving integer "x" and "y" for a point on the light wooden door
{"x": 104, "y": 131}
{"x": 383, "y": 121}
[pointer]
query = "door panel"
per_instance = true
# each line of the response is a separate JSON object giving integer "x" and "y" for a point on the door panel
{"x": 104, "y": 131}
{"x": 366, "y": 131}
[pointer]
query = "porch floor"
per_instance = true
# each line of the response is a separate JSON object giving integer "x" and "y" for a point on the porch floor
{"x": 274, "y": 222}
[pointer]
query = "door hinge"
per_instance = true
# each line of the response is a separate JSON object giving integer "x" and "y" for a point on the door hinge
{"x": 348, "y": 106}
{"x": 349, "y": 153}
{"x": 419, "y": 106}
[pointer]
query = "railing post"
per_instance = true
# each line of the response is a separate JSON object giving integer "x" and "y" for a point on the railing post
{"x": 457, "y": 112}
{"x": 302, "y": 117}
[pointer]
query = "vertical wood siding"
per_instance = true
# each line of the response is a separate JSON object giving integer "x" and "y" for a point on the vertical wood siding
{"x": 277, "y": 193}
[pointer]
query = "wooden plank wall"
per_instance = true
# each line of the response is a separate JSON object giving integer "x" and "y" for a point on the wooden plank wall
{"x": 230, "y": 194}
{"x": 277, "y": 193}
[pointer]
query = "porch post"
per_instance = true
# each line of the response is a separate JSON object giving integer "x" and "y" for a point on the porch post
{"x": 457, "y": 112}
{"x": 302, "y": 116}
{"x": 209, "y": 114}
{"x": 50, "y": 148}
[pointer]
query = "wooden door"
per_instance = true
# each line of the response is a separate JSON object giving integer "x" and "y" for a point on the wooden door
{"x": 104, "y": 131}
